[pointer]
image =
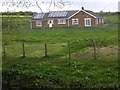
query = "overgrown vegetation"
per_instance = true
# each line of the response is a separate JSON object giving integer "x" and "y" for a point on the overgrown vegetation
{"x": 57, "y": 71}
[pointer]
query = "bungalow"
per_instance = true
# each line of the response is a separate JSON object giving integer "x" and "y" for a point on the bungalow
{"x": 66, "y": 19}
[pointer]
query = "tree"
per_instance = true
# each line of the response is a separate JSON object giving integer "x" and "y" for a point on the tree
{"x": 13, "y": 5}
{"x": 101, "y": 12}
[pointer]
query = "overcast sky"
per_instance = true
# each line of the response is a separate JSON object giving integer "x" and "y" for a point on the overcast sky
{"x": 94, "y": 5}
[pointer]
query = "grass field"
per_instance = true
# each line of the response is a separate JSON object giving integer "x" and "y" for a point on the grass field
{"x": 57, "y": 70}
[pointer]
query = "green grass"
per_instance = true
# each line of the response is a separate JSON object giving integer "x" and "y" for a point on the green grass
{"x": 57, "y": 70}
{"x": 62, "y": 73}
{"x": 56, "y": 40}
{"x": 60, "y": 34}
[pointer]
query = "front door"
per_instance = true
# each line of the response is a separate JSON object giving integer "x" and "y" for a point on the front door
{"x": 50, "y": 23}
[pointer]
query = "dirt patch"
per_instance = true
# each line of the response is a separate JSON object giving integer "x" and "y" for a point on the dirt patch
{"x": 101, "y": 52}
{"x": 107, "y": 49}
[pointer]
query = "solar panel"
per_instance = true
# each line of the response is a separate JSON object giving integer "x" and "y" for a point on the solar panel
{"x": 58, "y": 14}
{"x": 39, "y": 15}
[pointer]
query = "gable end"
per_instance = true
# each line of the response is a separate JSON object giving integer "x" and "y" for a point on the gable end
{"x": 89, "y": 13}
{"x": 84, "y": 12}
{"x": 74, "y": 14}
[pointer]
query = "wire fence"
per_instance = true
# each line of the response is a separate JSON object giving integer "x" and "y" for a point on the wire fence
{"x": 69, "y": 49}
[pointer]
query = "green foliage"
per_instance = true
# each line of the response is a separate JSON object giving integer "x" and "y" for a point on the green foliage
{"x": 15, "y": 22}
{"x": 111, "y": 19}
{"x": 72, "y": 74}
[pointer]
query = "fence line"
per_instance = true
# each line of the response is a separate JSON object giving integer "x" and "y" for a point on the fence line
{"x": 46, "y": 50}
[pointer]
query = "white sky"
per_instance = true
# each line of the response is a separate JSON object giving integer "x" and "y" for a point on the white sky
{"x": 94, "y": 5}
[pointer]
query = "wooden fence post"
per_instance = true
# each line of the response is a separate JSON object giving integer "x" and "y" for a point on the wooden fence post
{"x": 46, "y": 55}
{"x": 23, "y": 49}
{"x": 69, "y": 50}
{"x": 94, "y": 47}
{"x": 4, "y": 51}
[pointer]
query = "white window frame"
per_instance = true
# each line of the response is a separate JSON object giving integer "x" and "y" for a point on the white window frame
{"x": 52, "y": 22}
{"x": 97, "y": 21}
{"x": 73, "y": 21}
{"x": 85, "y": 21}
{"x": 38, "y": 23}
{"x": 102, "y": 20}
{"x": 61, "y": 21}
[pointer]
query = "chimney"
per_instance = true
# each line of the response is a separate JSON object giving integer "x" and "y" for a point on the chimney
{"x": 82, "y": 8}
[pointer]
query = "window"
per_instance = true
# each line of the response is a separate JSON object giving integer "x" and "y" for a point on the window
{"x": 74, "y": 21}
{"x": 50, "y": 21}
{"x": 99, "y": 20}
{"x": 87, "y": 21}
{"x": 38, "y": 23}
{"x": 61, "y": 21}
